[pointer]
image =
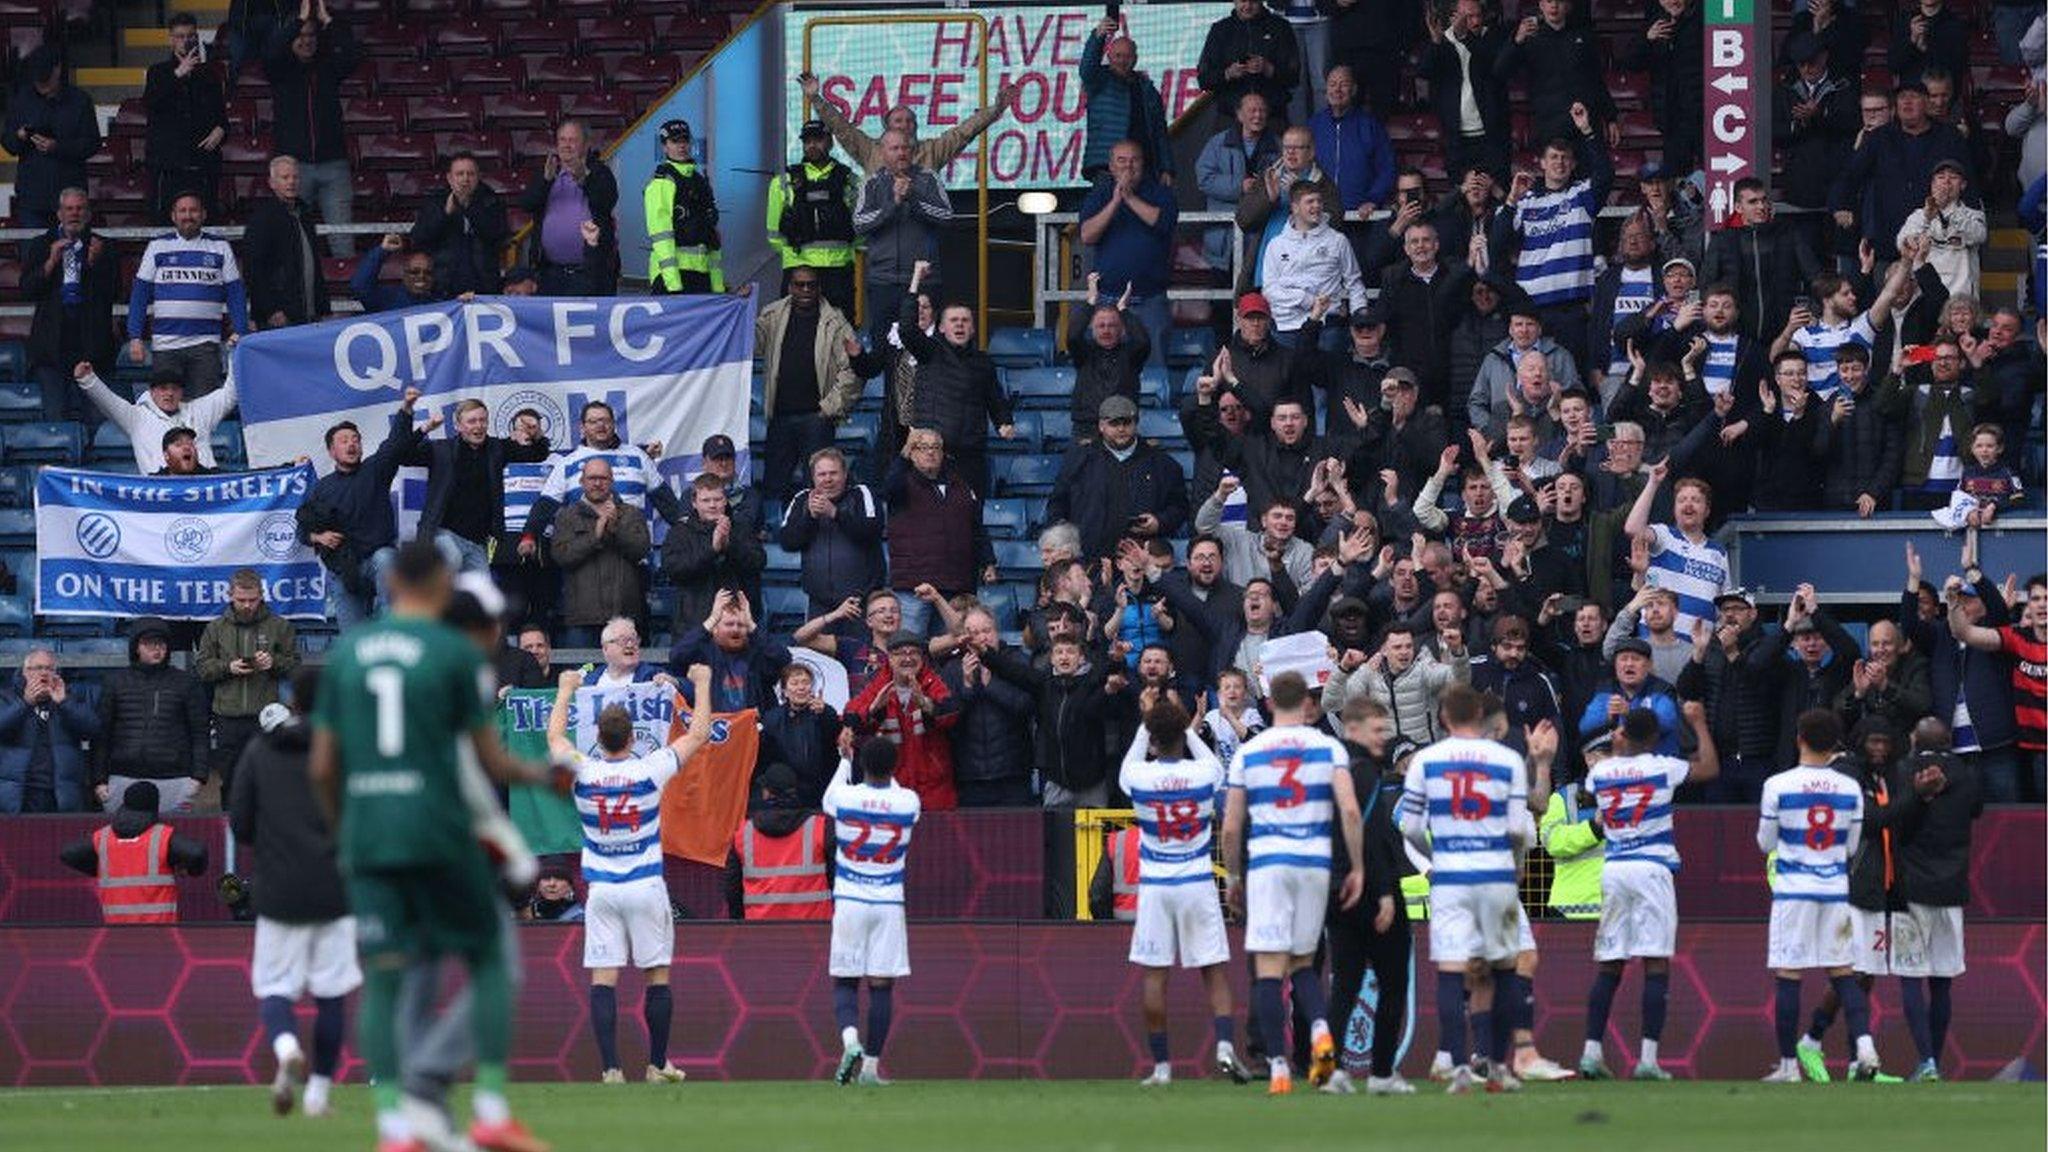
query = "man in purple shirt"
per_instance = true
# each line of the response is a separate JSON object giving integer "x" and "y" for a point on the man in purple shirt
{"x": 574, "y": 189}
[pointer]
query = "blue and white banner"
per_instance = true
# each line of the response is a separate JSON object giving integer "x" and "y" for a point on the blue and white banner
{"x": 652, "y": 706}
{"x": 115, "y": 545}
{"x": 673, "y": 368}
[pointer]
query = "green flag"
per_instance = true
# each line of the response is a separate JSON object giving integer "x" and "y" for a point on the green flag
{"x": 548, "y": 821}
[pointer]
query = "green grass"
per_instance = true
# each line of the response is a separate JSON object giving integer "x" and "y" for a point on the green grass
{"x": 1059, "y": 1117}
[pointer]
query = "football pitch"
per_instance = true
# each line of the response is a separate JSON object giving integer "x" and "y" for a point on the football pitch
{"x": 1031, "y": 1116}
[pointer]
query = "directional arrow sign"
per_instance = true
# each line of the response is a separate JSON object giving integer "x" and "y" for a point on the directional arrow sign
{"x": 1736, "y": 137}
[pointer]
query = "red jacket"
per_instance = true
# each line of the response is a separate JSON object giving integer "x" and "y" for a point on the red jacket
{"x": 924, "y": 756}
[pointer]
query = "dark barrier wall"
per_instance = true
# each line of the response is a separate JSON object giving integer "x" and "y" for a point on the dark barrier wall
{"x": 989, "y": 865}
{"x": 998, "y": 1001}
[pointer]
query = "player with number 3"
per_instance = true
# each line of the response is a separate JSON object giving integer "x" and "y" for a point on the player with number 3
{"x": 1466, "y": 803}
{"x": 1813, "y": 817}
{"x": 871, "y": 823}
{"x": 1174, "y": 797}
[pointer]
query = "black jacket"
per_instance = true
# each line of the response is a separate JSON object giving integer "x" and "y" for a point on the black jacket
{"x": 1934, "y": 861}
{"x": 182, "y": 112}
{"x": 1677, "y": 67}
{"x": 601, "y": 189}
{"x": 806, "y": 741}
{"x": 1441, "y": 67}
{"x": 67, "y": 117}
{"x": 992, "y": 738}
{"x": 1888, "y": 177}
{"x": 1865, "y": 452}
{"x": 1193, "y": 646}
{"x": 1791, "y": 458}
{"x": 1873, "y": 883}
{"x": 100, "y": 282}
{"x": 439, "y": 459}
{"x": 1742, "y": 710}
{"x": 307, "y": 97}
{"x": 358, "y": 505}
{"x": 272, "y": 809}
{"x": 842, "y": 554}
{"x": 1564, "y": 68}
{"x": 277, "y": 245}
{"x": 1815, "y": 149}
{"x": 153, "y": 720}
{"x": 464, "y": 242}
{"x": 1231, "y": 40}
{"x": 1768, "y": 265}
{"x": 958, "y": 391}
{"x": 1070, "y": 743}
{"x": 1799, "y": 687}
{"x": 1386, "y": 857}
{"x": 699, "y": 571}
{"x": 1099, "y": 372}
{"x": 1101, "y": 495}
{"x": 1419, "y": 319}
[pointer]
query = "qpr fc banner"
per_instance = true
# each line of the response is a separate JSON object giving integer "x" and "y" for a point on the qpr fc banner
{"x": 116, "y": 545}
{"x": 673, "y": 368}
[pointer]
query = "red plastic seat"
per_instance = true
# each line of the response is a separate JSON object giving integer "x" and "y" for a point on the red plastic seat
{"x": 1411, "y": 126}
{"x": 491, "y": 149}
{"x": 409, "y": 186}
{"x": 614, "y": 34}
{"x": 373, "y": 113}
{"x": 126, "y": 191}
{"x": 443, "y": 113}
{"x": 698, "y": 31}
{"x": 245, "y": 154}
{"x": 569, "y": 74}
{"x": 483, "y": 75}
{"x": 647, "y": 74}
{"x": 396, "y": 152}
{"x": 583, "y": 8}
{"x": 370, "y": 192}
{"x": 390, "y": 41}
{"x": 411, "y": 77}
{"x": 131, "y": 118}
{"x": 466, "y": 36}
{"x": 541, "y": 35}
{"x": 514, "y": 10}
{"x": 1638, "y": 126}
{"x": 520, "y": 111}
{"x": 601, "y": 109}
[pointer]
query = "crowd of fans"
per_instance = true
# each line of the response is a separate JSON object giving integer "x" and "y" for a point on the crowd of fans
{"x": 1465, "y": 441}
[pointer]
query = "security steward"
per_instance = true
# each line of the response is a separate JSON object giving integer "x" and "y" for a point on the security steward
{"x": 810, "y": 217}
{"x": 682, "y": 221}
{"x": 135, "y": 858}
{"x": 780, "y": 863}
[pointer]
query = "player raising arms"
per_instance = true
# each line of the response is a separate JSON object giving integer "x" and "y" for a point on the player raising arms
{"x": 1466, "y": 803}
{"x": 871, "y": 822}
{"x": 1291, "y": 782}
{"x": 1174, "y": 797}
{"x": 1813, "y": 817}
{"x": 402, "y": 700}
{"x": 626, "y": 918}
{"x": 1638, "y": 903}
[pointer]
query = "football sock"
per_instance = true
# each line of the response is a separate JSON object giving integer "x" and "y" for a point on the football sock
{"x": 1271, "y": 1016}
{"x": 881, "y": 1011}
{"x": 1823, "y": 1019}
{"x": 378, "y": 1034}
{"x": 1508, "y": 998}
{"x": 1309, "y": 1000}
{"x": 1787, "y": 1018}
{"x": 1855, "y": 1012}
{"x": 1656, "y": 1004}
{"x": 1913, "y": 1002}
{"x": 657, "y": 1009}
{"x": 1600, "y": 1005}
{"x": 1156, "y": 1041}
{"x": 1226, "y": 1031}
{"x": 490, "y": 983}
{"x": 846, "y": 1006}
{"x": 1450, "y": 1014}
{"x": 276, "y": 1014}
{"x": 329, "y": 1025}
{"x": 604, "y": 1024}
{"x": 1525, "y": 1002}
{"x": 1482, "y": 1034}
{"x": 1648, "y": 1054}
{"x": 316, "y": 1092}
{"x": 1939, "y": 1009}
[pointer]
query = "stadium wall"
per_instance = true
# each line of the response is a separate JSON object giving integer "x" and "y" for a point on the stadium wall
{"x": 986, "y": 1001}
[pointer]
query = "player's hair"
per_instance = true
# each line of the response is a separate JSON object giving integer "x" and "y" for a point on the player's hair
{"x": 706, "y": 482}
{"x": 614, "y": 728}
{"x": 794, "y": 669}
{"x": 1642, "y": 729}
{"x": 1167, "y": 724}
{"x": 417, "y": 563}
{"x": 1852, "y": 352}
{"x": 338, "y": 429}
{"x": 1820, "y": 730}
{"x": 1288, "y": 692}
{"x": 1462, "y": 706}
{"x": 876, "y": 759}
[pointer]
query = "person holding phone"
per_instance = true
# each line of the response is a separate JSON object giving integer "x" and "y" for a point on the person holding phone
{"x": 1251, "y": 50}
{"x": 246, "y": 653}
{"x": 186, "y": 101}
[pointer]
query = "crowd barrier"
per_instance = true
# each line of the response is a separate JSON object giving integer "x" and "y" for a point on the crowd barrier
{"x": 1000, "y": 865}
{"x": 150, "y": 1005}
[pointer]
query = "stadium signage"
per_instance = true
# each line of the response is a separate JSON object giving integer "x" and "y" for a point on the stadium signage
{"x": 1734, "y": 58}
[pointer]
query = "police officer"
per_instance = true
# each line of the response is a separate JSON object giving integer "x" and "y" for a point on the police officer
{"x": 682, "y": 220}
{"x": 810, "y": 217}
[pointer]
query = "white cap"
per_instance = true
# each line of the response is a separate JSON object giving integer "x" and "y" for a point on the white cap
{"x": 273, "y": 717}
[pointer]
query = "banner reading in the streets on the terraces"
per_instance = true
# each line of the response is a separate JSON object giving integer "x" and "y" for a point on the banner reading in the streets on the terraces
{"x": 674, "y": 369}
{"x": 109, "y": 544}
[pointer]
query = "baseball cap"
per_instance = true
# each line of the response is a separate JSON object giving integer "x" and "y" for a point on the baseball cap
{"x": 814, "y": 128}
{"x": 1348, "y": 606}
{"x": 1369, "y": 316}
{"x": 779, "y": 777}
{"x": 1910, "y": 84}
{"x": 718, "y": 446}
{"x": 1742, "y": 594}
{"x": 906, "y": 639}
{"x": 675, "y": 130}
{"x": 1966, "y": 589}
{"x": 1676, "y": 261}
{"x": 273, "y": 716}
{"x": 173, "y": 435}
{"x": 1524, "y": 511}
{"x": 1651, "y": 170}
{"x": 1117, "y": 408}
{"x": 1398, "y": 378}
{"x": 1635, "y": 644}
{"x": 1254, "y": 304}
{"x": 1403, "y": 748}
{"x": 1950, "y": 165}
{"x": 166, "y": 374}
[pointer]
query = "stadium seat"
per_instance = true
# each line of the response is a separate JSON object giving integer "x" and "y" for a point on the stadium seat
{"x": 245, "y": 155}
{"x": 22, "y": 563}
{"x": 522, "y": 111}
{"x": 1040, "y": 387}
{"x": 373, "y": 113}
{"x": 1024, "y": 475}
{"x": 614, "y": 34}
{"x": 16, "y": 619}
{"x": 604, "y": 110}
{"x": 1163, "y": 427}
{"x": 1030, "y": 434}
{"x": 387, "y": 41}
{"x": 1190, "y": 348}
{"x": 1006, "y": 518}
{"x": 227, "y": 445}
{"x": 43, "y": 442}
{"x": 17, "y": 527}
{"x": 465, "y": 36}
{"x": 646, "y": 73}
{"x": 17, "y": 487}
{"x": 1000, "y": 599}
{"x": 95, "y": 646}
{"x": 861, "y": 429}
{"x": 514, "y": 12}
{"x": 444, "y": 113}
{"x": 1058, "y": 431}
{"x": 1017, "y": 559}
{"x": 567, "y": 74}
{"x": 487, "y": 75}
{"x": 109, "y": 443}
{"x": 1021, "y": 347}
{"x": 397, "y": 152}
{"x": 19, "y": 399}
{"x": 786, "y": 607}
{"x": 410, "y": 77}
{"x": 1155, "y": 388}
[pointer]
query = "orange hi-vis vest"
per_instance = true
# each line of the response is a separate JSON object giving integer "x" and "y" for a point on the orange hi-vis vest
{"x": 135, "y": 881}
{"x": 1123, "y": 863}
{"x": 784, "y": 877}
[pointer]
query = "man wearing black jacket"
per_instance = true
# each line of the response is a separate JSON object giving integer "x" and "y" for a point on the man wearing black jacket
{"x": 52, "y": 128}
{"x": 306, "y": 61}
{"x": 73, "y": 278}
{"x": 347, "y": 516}
{"x": 283, "y": 254}
{"x": 465, "y": 501}
{"x": 1460, "y": 68}
{"x": 462, "y": 223}
{"x": 1251, "y": 50}
{"x": 153, "y": 724}
{"x": 1118, "y": 486}
{"x": 305, "y": 938}
{"x": 1073, "y": 708}
{"x": 958, "y": 390}
{"x": 187, "y": 103}
{"x": 992, "y": 739}
{"x": 1375, "y": 931}
{"x": 1562, "y": 60}
{"x": 1768, "y": 261}
{"x": 1110, "y": 346}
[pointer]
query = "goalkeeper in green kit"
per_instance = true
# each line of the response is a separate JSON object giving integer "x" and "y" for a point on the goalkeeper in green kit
{"x": 404, "y": 699}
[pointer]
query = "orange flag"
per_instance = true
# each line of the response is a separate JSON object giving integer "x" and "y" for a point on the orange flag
{"x": 704, "y": 805}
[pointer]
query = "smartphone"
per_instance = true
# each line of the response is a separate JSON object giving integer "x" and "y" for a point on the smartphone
{"x": 1693, "y": 297}
{"x": 1799, "y": 302}
{"x": 1115, "y": 11}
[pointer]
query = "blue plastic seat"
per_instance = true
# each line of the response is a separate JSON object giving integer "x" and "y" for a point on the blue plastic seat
{"x": 20, "y": 400}
{"x": 16, "y": 619}
{"x": 17, "y": 487}
{"x": 1162, "y": 425}
{"x": 17, "y": 528}
{"x": 43, "y": 442}
{"x": 1040, "y": 387}
{"x": 1189, "y": 347}
{"x": 1021, "y": 347}
{"x": 1017, "y": 559}
{"x": 1030, "y": 434}
{"x": 1006, "y": 518}
{"x": 1155, "y": 388}
{"x": 786, "y": 607}
{"x": 1025, "y": 475}
{"x": 110, "y": 443}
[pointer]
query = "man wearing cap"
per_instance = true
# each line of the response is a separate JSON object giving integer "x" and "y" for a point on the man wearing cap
{"x": 245, "y": 653}
{"x": 1128, "y": 219}
{"x": 910, "y": 706}
{"x": 682, "y": 220}
{"x": 1350, "y": 375}
{"x": 1118, "y": 487}
{"x": 1255, "y": 367}
{"x": 1123, "y": 103}
{"x": 1953, "y": 230}
{"x": 160, "y": 409}
{"x": 1632, "y": 686}
{"x": 1813, "y": 674}
{"x": 742, "y": 503}
{"x": 181, "y": 454}
{"x": 136, "y": 858}
{"x": 810, "y": 218}
{"x": 1399, "y": 436}
{"x": 1742, "y": 709}
{"x": 574, "y": 189}
{"x": 152, "y": 724}
{"x": 1892, "y": 170}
